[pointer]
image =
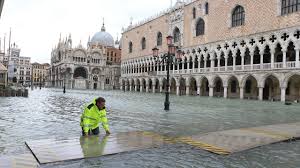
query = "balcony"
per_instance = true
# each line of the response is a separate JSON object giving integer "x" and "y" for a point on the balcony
{"x": 238, "y": 68}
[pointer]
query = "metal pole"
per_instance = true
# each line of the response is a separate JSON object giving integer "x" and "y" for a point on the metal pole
{"x": 64, "y": 91}
{"x": 167, "y": 103}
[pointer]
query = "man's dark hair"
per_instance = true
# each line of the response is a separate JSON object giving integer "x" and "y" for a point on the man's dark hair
{"x": 100, "y": 99}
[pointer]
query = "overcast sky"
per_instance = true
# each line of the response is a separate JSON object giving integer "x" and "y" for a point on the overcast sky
{"x": 37, "y": 24}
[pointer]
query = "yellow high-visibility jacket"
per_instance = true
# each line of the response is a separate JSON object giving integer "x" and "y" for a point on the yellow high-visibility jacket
{"x": 92, "y": 116}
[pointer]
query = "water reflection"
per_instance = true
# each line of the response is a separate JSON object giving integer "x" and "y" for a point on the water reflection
{"x": 93, "y": 146}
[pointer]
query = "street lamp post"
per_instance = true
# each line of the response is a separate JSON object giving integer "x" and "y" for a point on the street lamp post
{"x": 64, "y": 82}
{"x": 168, "y": 58}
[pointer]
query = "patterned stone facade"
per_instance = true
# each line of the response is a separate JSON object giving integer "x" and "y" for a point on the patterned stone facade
{"x": 258, "y": 59}
{"x": 85, "y": 68}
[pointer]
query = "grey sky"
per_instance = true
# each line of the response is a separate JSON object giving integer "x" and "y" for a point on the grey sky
{"x": 36, "y": 24}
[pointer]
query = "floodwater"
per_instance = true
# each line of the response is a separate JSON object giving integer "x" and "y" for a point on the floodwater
{"x": 49, "y": 113}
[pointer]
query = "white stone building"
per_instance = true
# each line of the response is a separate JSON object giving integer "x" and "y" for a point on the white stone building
{"x": 93, "y": 67}
{"x": 237, "y": 49}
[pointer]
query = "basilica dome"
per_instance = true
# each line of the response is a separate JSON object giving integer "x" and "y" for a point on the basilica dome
{"x": 103, "y": 38}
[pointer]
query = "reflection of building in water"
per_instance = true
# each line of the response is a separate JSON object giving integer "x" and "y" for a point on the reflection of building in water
{"x": 93, "y": 146}
{"x": 232, "y": 49}
{"x": 94, "y": 67}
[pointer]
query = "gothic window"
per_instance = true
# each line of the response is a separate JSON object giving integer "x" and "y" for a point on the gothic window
{"x": 143, "y": 43}
{"x": 107, "y": 81}
{"x": 194, "y": 13}
{"x": 206, "y": 8}
{"x": 289, "y": 6}
{"x": 159, "y": 39}
{"x": 176, "y": 35}
{"x": 130, "y": 47}
{"x": 238, "y": 16}
{"x": 200, "y": 27}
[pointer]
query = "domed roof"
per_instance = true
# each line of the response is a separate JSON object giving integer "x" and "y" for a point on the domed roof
{"x": 103, "y": 38}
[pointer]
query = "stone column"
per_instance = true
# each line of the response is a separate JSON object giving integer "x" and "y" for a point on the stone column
{"x": 241, "y": 93}
{"x": 160, "y": 88}
{"x": 121, "y": 87}
{"x": 199, "y": 90}
{"x": 251, "y": 59}
{"x": 141, "y": 88}
{"x": 177, "y": 90}
{"x": 193, "y": 65}
{"x": 205, "y": 62}
{"x": 226, "y": 61}
{"x": 243, "y": 60}
{"x": 130, "y": 87}
{"x": 126, "y": 88}
{"x": 187, "y": 91}
{"x": 297, "y": 58}
{"x": 272, "y": 51}
{"x": 212, "y": 64}
{"x": 261, "y": 53}
{"x": 147, "y": 88}
{"x": 225, "y": 91}
{"x": 153, "y": 89}
{"x": 284, "y": 57}
{"x": 234, "y": 61}
{"x": 211, "y": 91}
{"x": 173, "y": 68}
{"x": 283, "y": 94}
{"x": 135, "y": 88}
{"x": 219, "y": 63}
{"x": 199, "y": 63}
{"x": 260, "y": 93}
{"x": 188, "y": 65}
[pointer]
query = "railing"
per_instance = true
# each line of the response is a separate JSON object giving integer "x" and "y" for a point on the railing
{"x": 238, "y": 67}
{"x": 265, "y": 66}
{"x": 247, "y": 67}
{"x": 229, "y": 68}
{"x": 256, "y": 66}
{"x": 291, "y": 64}
{"x": 278, "y": 65}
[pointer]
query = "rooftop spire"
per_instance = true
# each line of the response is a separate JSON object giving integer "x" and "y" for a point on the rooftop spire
{"x": 103, "y": 27}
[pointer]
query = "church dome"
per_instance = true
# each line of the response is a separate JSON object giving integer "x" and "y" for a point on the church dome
{"x": 103, "y": 38}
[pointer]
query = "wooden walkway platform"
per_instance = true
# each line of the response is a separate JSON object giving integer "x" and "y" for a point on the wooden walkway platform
{"x": 222, "y": 142}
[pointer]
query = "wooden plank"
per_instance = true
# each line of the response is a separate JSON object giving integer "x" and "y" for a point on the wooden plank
{"x": 51, "y": 150}
{"x": 226, "y": 142}
{"x": 19, "y": 161}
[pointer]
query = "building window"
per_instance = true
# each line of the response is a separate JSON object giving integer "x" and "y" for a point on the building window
{"x": 130, "y": 47}
{"x": 194, "y": 13}
{"x": 238, "y": 16}
{"x": 176, "y": 35}
{"x": 159, "y": 39}
{"x": 206, "y": 8}
{"x": 200, "y": 27}
{"x": 107, "y": 81}
{"x": 143, "y": 43}
{"x": 289, "y": 6}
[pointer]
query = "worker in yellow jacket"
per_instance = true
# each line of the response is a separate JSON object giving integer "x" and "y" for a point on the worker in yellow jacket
{"x": 93, "y": 114}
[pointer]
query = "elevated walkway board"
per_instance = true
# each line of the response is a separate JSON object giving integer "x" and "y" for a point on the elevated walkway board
{"x": 230, "y": 141}
{"x": 20, "y": 161}
{"x": 55, "y": 150}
